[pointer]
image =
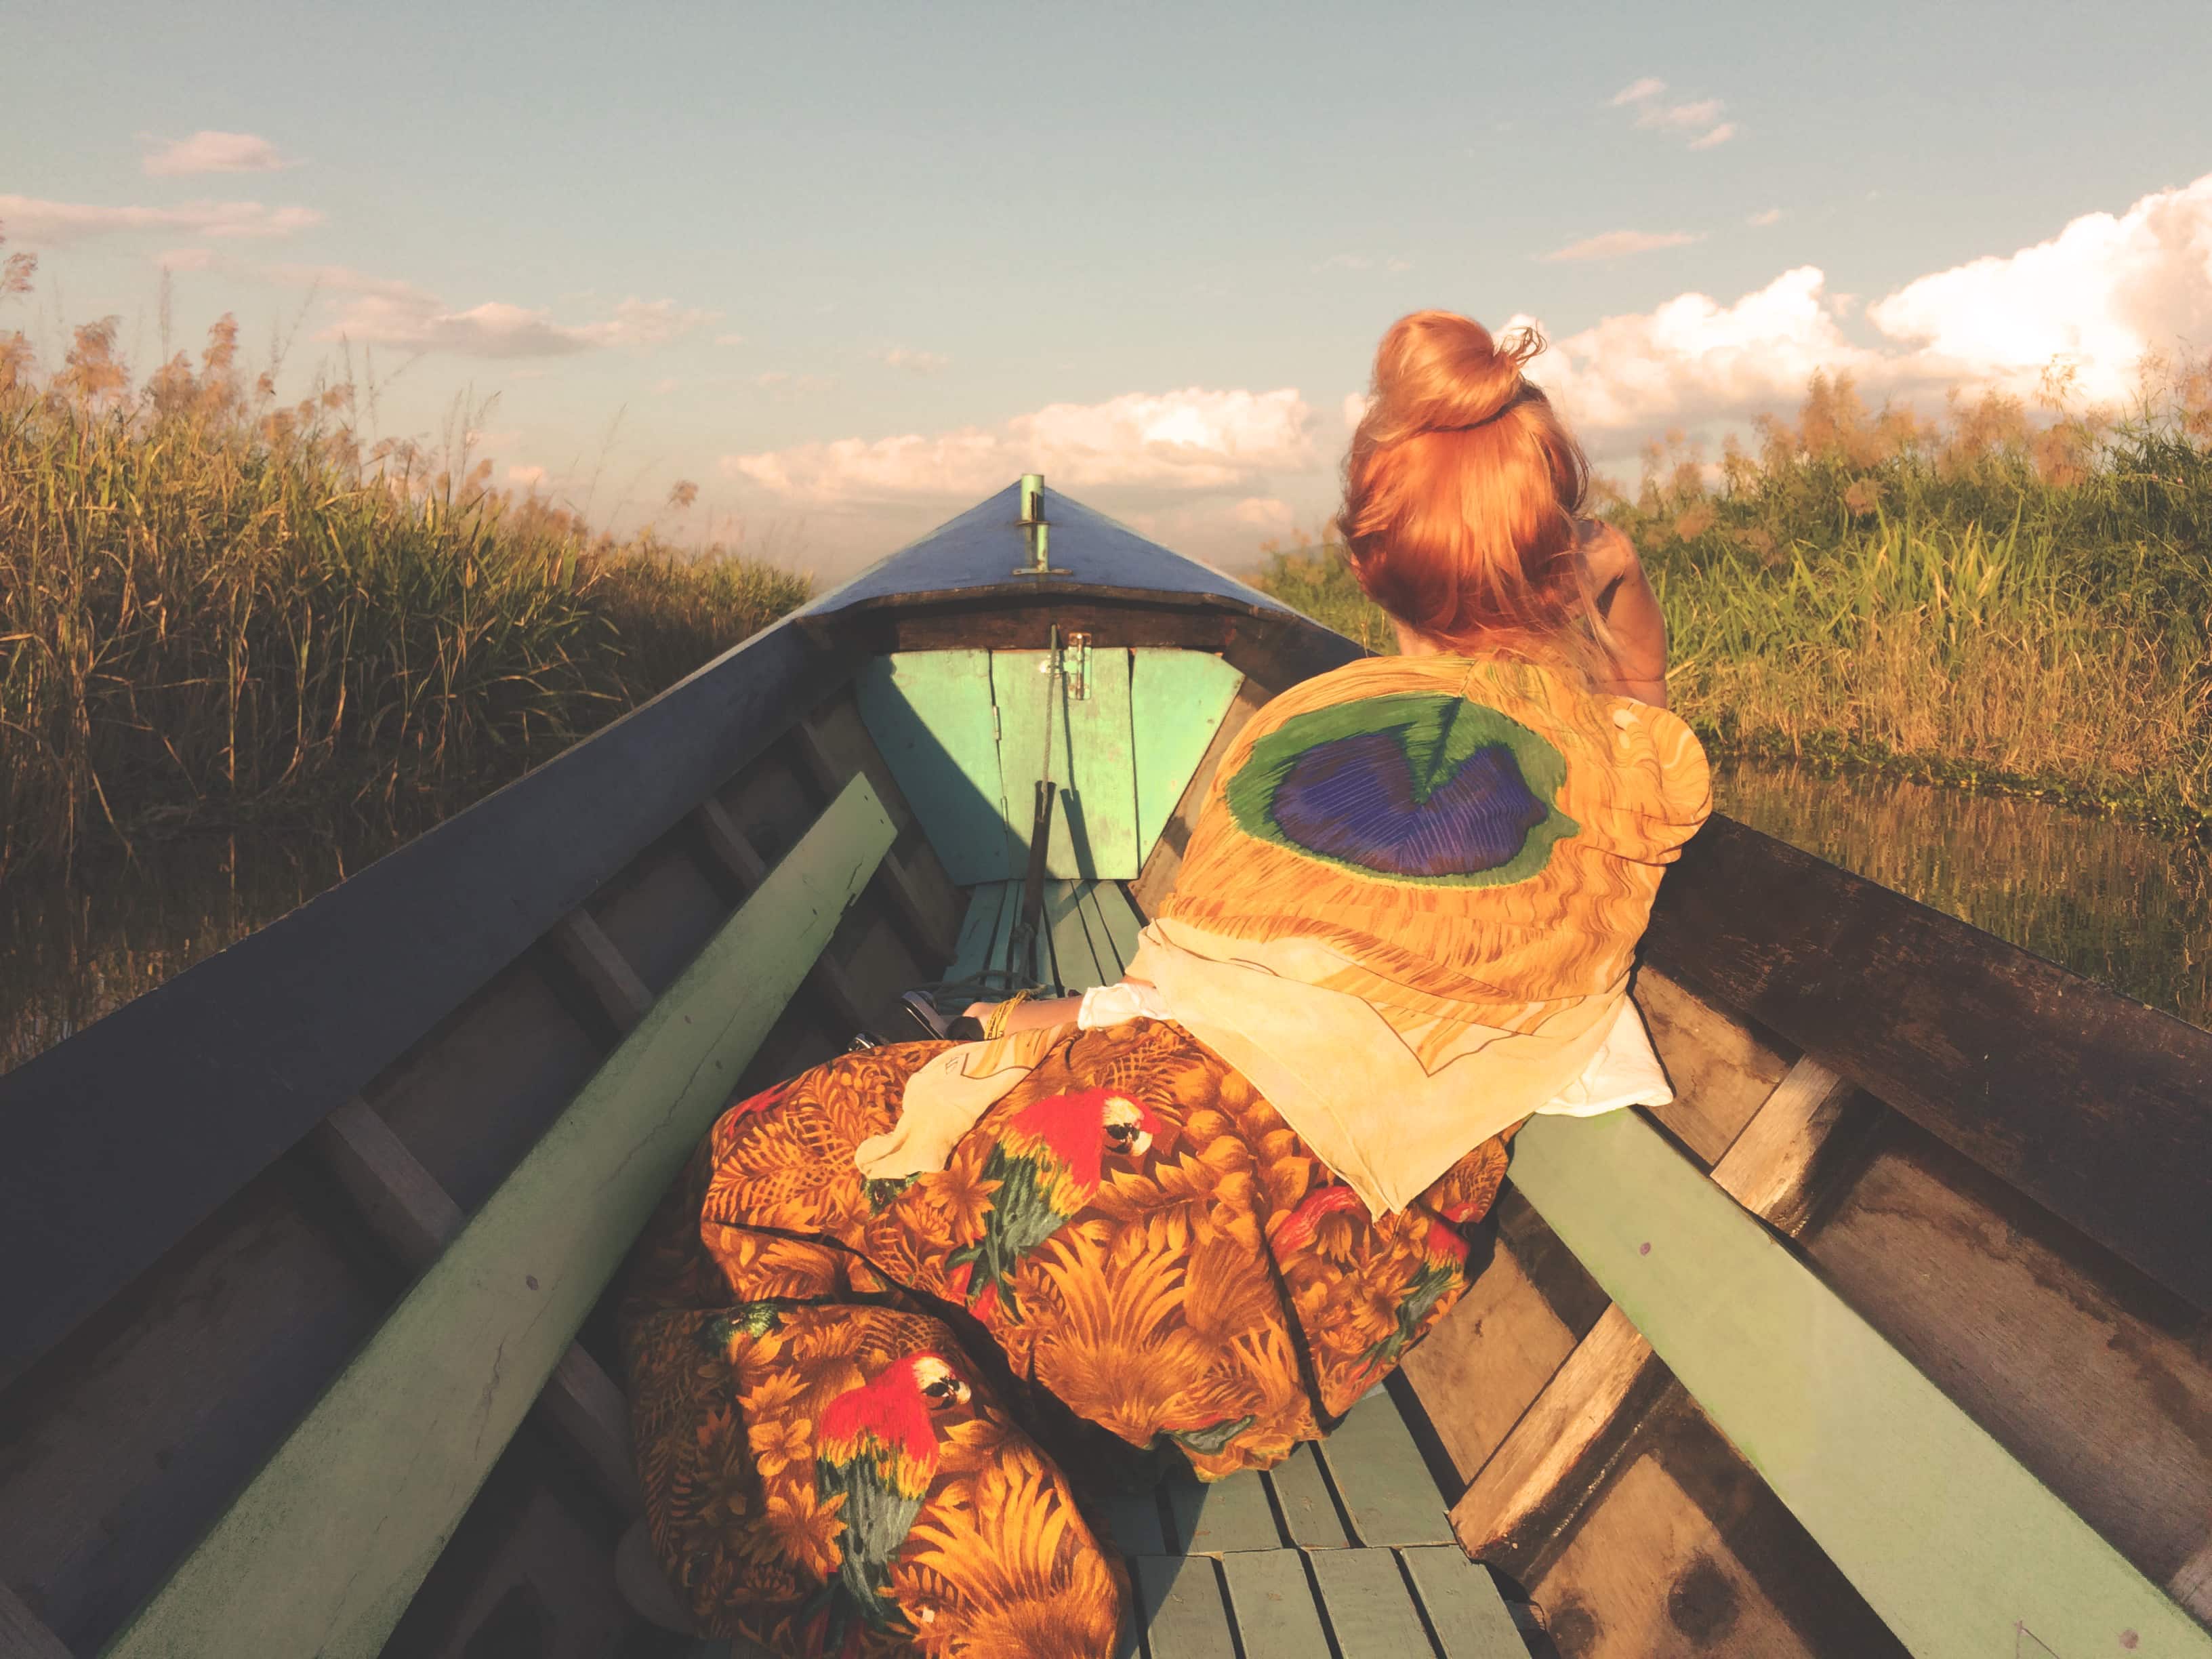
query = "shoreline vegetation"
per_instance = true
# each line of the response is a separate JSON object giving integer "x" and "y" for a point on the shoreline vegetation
{"x": 1988, "y": 601}
{"x": 217, "y": 610}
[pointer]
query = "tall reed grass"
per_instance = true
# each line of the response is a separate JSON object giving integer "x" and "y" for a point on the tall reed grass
{"x": 1993, "y": 599}
{"x": 215, "y": 608}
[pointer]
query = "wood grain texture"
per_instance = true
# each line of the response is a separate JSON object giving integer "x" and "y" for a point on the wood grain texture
{"x": 930, "y": 715}
{"x": 1797, "y": 1145}
{"x": 21, "y": 1635}
{"x": 1276, "y": 1614}
{"x": 1481, "y": 1365}
{"x": 248, "y": 1050}
{"x": 734, "y": 850}
{"x": 1380, "y": 1475}
{"x": 323, "y": 1551}
{"x": 1950, "y": 1540}
{"x": 2092, "y": 1104}
{"x": 1185, "y": 1616}
{"x": 1227, "y": 1515}
{"x": 1092, "y": 761}
{"x": 1370, "y": 1606}
{"x": 2101, "y": 1387}
{"x": 1722, "y": 1070}
{"x": 1464, "y": 1607}
{"x": 1302, "y": 1493}
{"x": 1546, "y": 1467}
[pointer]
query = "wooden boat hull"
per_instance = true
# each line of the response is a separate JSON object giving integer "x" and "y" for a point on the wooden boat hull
{"x": 230, "y": 1208}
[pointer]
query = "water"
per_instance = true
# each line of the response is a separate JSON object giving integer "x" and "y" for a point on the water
{"x": 2110, "y": 901}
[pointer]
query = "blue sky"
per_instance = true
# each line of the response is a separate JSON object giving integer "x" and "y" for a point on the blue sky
{"x": 844, "y": 265}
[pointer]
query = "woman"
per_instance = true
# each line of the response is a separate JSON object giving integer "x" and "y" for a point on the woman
{"x": 1199, "y": 1214}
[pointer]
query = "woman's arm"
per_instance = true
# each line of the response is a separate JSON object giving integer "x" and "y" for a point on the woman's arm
{"x": 1630, "y": 609}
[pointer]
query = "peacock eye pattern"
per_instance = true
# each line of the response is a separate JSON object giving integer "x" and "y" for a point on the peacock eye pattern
{"x": 1426, "y": 789}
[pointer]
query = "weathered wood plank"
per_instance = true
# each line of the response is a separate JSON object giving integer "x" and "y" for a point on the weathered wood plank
{"x": 832, "y": 744}
{"x": 1185, "y": 1617}
{"x": 1789, "y": 1152}
{"x": 1121, "y": 921}
{"x": 735, "y": 851}
{"x": 1092, "y": 760}
{"x": 1543, "y": 1471}
{"x": 613, "y": 983}
{"x": 1380, "y": 1474}
{"x": 248, "y": 1050}
{"x": 1370, "y": 1607}
{"x": 930, "y": 715}
{"x": 322, "y": 1552}
{"x": 1722, "y": 1070}
{"x": 416, "y": 1218}
{"x": 1163, "y": 863}
{"x": 1276, "y": 1614}
{"x": 1228, "y": 1514}
{"x": 978, "y": 928}
{"x": 21, "y": 1635}
{"x": 1479, "y": 1367}
{"x": 1464, "y": 1607}
{"x": 2090, "y": 1104}
{"x": 1176, "y": 700}
{"x": 1952, "y": 1542}
{"x": 1075, "y": 958}
{"x": 1302, "y": 1493}
{"x": 2100, "y": 1385}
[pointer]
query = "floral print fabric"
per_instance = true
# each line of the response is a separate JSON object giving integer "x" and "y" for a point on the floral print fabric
{"x": 836, "y": 1383}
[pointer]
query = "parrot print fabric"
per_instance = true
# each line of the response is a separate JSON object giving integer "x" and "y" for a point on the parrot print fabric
{"x": 855, "y": 1401}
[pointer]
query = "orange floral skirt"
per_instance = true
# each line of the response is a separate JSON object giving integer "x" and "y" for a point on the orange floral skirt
{"x": 870, "y": 1414}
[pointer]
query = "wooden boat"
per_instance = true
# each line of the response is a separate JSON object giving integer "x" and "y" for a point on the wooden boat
{"x": 1890, "y": 1335}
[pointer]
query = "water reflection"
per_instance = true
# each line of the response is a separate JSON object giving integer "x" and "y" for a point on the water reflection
{"x": 2113, "y": 903}
{"x": 2107, "y": 900}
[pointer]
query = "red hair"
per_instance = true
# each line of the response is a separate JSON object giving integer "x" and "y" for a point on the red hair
{"x": 1461, "y": 493}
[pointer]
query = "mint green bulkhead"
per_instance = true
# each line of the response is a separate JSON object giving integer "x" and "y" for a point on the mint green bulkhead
{"x": 965, "y": 733}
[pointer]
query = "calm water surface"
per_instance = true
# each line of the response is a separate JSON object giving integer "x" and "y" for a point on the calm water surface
{"x": 2108, "y": 900}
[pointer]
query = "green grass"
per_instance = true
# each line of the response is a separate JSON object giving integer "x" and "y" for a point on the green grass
{"x": 216, "y": 610}
{"x": 1989, "y": 601}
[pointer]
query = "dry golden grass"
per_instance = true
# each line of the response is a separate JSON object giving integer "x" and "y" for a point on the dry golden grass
{"x": 215, "y": 608}
{"x": 1990, "y": 599}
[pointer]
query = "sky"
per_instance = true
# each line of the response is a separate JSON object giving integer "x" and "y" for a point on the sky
{"x": 850, "y": 268}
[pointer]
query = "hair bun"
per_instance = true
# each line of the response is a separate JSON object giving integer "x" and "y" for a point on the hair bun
{"x": 1440, "y": 372}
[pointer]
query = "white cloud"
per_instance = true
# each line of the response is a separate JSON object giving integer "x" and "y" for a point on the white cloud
{"x": 1770, "y": 216}
{"x": 2104, "y": 292}
{"x": 729, "y": 339}
{"x": 1699, "y": 119}
{"x": 1613, "y": 244}
{"x": 184, "y": 258}
{"x": 1693, "y": 360}
{"x": 58, "y": 224}
{"x": 1193, "y": 439}
{"x": 394, "y": 314}
{"x": 528, "y": 476}
{"x": 665, "y": 385}
{"x": 216, "y": 152}
{"x": 1355, "y": 408}
{"x": 915, "y": 362}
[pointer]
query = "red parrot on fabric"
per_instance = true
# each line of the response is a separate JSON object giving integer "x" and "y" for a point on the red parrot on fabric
{"x": 877, "y": 1448}
{"x": 1048, "y": 1161}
